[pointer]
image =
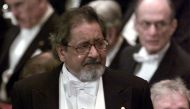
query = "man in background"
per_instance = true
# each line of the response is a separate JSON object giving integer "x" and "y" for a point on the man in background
{"x": 158, "y": 56}
{"x": 35, "y": 20}
{"x": 170, "y": 94}
{"x": 111, "y": 13}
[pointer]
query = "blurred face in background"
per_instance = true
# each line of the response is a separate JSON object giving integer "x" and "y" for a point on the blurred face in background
{"x": 173, "y": 100}
{"x": 27, "y": 12}
{"x": 154, "y": 24}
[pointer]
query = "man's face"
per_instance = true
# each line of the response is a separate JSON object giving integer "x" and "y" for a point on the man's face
{"x": 86, "y": 66}
{"x": 26, "y": 12}
{"x": 171, "y": 101}
{"x": 154, "y": 24}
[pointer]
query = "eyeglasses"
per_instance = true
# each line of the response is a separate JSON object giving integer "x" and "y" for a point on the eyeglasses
{"x": 162, "y": 25}
{"x": 84, "y": 48}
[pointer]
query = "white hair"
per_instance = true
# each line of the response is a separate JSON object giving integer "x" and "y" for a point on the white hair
{"x": 165, "y": 86}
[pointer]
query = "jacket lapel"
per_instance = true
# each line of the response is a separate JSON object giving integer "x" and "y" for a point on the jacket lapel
{"x": 39, "y": 100}
{"x": 116, "y": 96}
{"x": 10, "y": 36}
{"x": 165, "y": 66}
{"x": 126, "y": 97}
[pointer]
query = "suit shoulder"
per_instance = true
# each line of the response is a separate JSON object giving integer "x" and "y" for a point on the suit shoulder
{"x": 37, "y": 81}
{"x": 131, "y": 49}
{"x": 125, "y": 78}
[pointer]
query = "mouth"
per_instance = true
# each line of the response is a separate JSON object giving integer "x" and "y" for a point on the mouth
{"x": 153, "y": 42}
{"x": 92, "y": 63}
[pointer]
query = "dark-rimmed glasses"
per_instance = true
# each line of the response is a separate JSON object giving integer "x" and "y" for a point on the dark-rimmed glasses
{"x": 84, "y": 48}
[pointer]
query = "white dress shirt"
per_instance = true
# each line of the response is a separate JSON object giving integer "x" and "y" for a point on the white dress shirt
{"x": 75, "y": 94}
{"x": 149, "y": 62}
{"x": 129, "y": 31}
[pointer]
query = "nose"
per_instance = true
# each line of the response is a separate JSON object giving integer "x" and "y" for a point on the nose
{"x": 93, "y": 52}
{"x": 152, "y": 29}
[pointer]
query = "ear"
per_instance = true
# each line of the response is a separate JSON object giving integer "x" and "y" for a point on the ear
{"x": 174, "y": 25}
{"x": 111, "y": 33}
{"x": 61, "y": 53}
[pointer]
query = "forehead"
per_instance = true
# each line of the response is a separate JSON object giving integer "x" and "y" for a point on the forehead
{"x": 172, "y": 100}
{"x": 13, "y": 1}
{"x": 154, "y": 9}
{"x": 86, "y": 31}
{"x": 18, "y": 2}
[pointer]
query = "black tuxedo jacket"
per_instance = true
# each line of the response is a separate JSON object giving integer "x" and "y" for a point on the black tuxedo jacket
{"x": 176, "y": 62}
{"x": 182, "y": 33}
{"x": 115, "y": 61}
{"x": 120, "y": 90}
{"x": 41, "y": 42}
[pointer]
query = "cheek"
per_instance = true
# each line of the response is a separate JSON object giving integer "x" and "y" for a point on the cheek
{"x": 80, "y": 59}
{"x": 142, "y": 39}
{"x": 166, "y": 37}
{"x": 103, "y": 58}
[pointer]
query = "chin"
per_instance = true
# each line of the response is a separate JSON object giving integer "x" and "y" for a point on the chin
{"x": 91, "y": 73}
{"x": 153, "y": 51}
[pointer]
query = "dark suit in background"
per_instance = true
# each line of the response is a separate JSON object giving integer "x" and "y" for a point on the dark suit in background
{"x": 182, "y": 33}
{"x": 41, "y": 42}
{"x": 120, "y": 90}
{"x": 115, "y": 62}
{"x": 4, "y": 24}
{"x": 176, "y": 62}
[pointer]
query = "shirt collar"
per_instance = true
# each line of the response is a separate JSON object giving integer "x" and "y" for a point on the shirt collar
{"x": 68, "y": 77}
{"x": 144, "y": 55}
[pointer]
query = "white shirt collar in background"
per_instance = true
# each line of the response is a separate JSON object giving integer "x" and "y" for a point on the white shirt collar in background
{"x": 149, "y": 63}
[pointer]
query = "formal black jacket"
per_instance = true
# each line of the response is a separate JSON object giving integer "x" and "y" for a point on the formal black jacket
{"x": 115, "y": 61}
{"x": 182, "y": 33}
{"x": 176, "y": 62}
{"x": 41, "y": 41}
{"x": 120, "y": 90}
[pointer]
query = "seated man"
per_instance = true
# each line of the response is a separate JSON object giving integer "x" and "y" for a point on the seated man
{"x": 82, "y": 81}
{"x": 170, "y": 94}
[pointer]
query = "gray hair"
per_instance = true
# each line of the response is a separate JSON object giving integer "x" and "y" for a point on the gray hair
{"x": 109, "y": 10}
{"x": 165, "y": 86}
{"x": 69, "y": 20}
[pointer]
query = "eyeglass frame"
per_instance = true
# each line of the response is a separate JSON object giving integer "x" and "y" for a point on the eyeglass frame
{"x": 160, "y": 25}
{"x": 88, "y": 47}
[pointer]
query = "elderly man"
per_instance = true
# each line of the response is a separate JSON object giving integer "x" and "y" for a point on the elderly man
{"x": 35, "y": 20}
{"x": 170, "y": 94}
{"x": 158, "y": 57}
{"x": 82, "y": 81}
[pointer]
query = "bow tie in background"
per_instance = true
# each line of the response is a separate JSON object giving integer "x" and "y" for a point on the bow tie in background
{"x": 141, "y": 59}
{"x": 74, "y": 87}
